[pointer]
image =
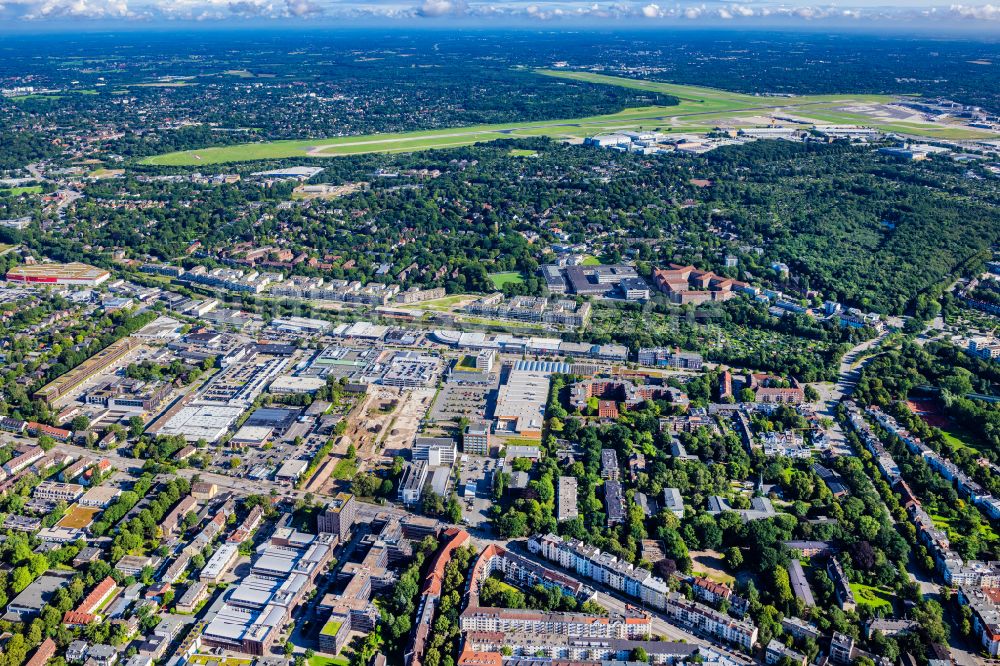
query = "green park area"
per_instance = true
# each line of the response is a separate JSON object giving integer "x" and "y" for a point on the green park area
{"x": 873, "y": 597}
{"x": 986, "y": 531}
{"x": 699, "y": 109}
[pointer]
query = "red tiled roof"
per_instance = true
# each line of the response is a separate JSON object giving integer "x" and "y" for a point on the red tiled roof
{"x": 470, "y": 658}
{"x": 456, "y": 537}
{"x": 43, "y": 429}
{"x": 45, "y": 651}
{"x": 78, "y": 618}
{"x": 97, "y": 595}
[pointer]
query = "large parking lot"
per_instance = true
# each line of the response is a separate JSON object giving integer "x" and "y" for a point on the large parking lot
{"x": 478, "y": 470}
{"x": 469, "y": 400}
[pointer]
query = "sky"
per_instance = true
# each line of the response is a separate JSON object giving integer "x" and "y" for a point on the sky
{"x": 921, "y": 15}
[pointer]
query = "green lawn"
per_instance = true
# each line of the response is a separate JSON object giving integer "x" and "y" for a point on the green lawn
{"x": 522, "y": 152}
{"x": 203, "y": 659}
{"x": 324, "y": 660}
{"x": 500, "y": 280}
{"x": 960, "y": 439}
{"x": 18, "y": 191}
{"x": 24, "y": 98}
{"x": 466, "y": 364}
{"x": 591, "y": 261}
{"x": 875, "y": 598}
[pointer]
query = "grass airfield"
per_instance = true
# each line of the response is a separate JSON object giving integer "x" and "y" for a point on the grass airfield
{"x": 700, "y": 110}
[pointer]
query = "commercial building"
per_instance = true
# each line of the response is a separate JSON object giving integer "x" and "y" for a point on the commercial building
{"x": 100, "y": 496}
{"x": 220, "y": 563}
{"x": 74, "y": 273}
{"x": 435, "y": 451}
{"x": 411, "y": 370}
{"x": 411, "y": 484}
{"x": 209, "y": 422}
{"x": 476, "y": 439}
{"x": 520, "y": 405}
{"x": 123, "y": 394}
{"x": 291, "y": 470}
{"x": 289, "y": 385}
{"x": 256, "y": 610}
{"x": 338, "y": 516}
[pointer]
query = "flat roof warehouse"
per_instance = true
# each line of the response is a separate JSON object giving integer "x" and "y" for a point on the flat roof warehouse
{"x": 72, "y": 273}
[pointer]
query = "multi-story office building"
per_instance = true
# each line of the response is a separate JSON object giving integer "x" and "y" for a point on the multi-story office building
{"x": 476, "y": 439}
{"x": 338, "y": 516}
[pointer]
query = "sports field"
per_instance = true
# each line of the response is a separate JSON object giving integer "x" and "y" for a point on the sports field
{"x": 501, "y": 280}
{"x": 700, "y": 110}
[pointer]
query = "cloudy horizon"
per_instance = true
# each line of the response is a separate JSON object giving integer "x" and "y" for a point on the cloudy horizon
{"x": 909, "y": 14}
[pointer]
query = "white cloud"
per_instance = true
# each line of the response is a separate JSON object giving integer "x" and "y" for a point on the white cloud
{"x": 981, "y": 12}
{"x": 693, "y": 12}
{"x": 732, "y": 11}
{"x": 441, "y": 8}
{"x": 92, "y": 9}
